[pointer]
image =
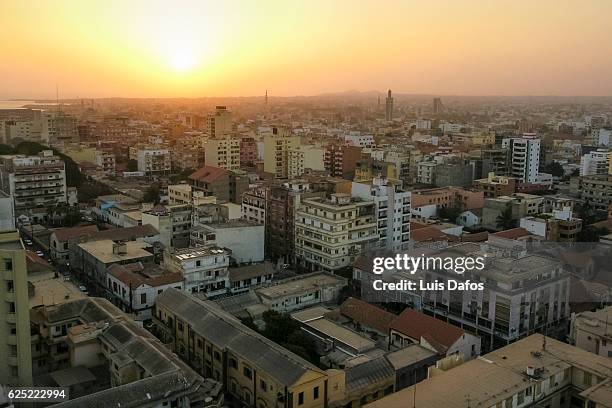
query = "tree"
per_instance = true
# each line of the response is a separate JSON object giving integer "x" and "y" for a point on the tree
{"x": 132, "y": 165}
{"x": 152, "y": 195}
{"x": 505, "y": 219}
{"x": 585, "y": 212}
{"x": 591, "y": 234}
{"x": 555, "y": 169}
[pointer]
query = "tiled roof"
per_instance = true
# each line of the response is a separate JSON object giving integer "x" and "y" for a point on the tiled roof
{"x": 64, "y": 234}
{"x": 367, "y": 315}
{"x": 513, "y": 233}
{"x": 208, "y": 174}
{"x": 415, "y": 324}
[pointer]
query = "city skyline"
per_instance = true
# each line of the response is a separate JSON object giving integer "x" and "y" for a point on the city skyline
{"x": 207, "y": 49}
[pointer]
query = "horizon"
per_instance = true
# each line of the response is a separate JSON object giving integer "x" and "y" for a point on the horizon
{"x": 143, "y": 49}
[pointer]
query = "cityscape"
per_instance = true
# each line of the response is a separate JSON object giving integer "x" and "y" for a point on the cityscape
{"x": 323, "y": 231}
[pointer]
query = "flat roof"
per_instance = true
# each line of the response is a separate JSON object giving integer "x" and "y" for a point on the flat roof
{"x": 103, "y": 250}
{"x": 342, "y": 334}
{"x": 300, "y": 284}
{"x": 53, "y": 291}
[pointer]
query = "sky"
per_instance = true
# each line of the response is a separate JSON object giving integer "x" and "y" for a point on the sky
{"x": 196, "y": 48}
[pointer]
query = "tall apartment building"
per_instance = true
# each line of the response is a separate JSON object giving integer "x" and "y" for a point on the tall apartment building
{"x": 392, "y": 211}
{"x": 276, "y": 151}
{"x": 58, "y": 128}
{"x": 341, "y": 160}
{"x": 223, "y": 153}
{"x": 106, "y": 161}
{"x": 22, "y": 128}
{"x": 524, "y": 153}
{"x": 592, "y": 331}
{"x": 173, "y": 222}
{"x": 596, "y": 162}
{"x": 331, "y": 233}
{"x": 153, "y": 161}
{"x": 225, "y": 185}
{"x": 204, "y": 268}
{"x": 248, "y": 151}
{"x": 304, "y": 157}
{"x": 253, "y": 207}
{"x": 34, "y": 182}
{"x": 15, "y": 346}
{"x": 219, "y": 123}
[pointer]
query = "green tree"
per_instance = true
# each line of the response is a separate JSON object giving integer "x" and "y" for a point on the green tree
{"x": 585, "y": 212}
{"x": 152, "y": 195}
{"x": 505, "y": 220}
{"x": 591, "y": 234}
{"x": 555, "y": 169}
{"x": 132, "y": 165}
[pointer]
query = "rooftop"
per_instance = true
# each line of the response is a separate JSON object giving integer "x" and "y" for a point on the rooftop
{"x": 301, "y": 284}
{"x": 104, "y": 253}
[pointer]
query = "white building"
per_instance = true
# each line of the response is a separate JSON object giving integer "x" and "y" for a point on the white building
{"x": 595, "y": 162}
{"x": 524, "y": 156}
{"x": 253, "y": 207}
{"x": 204, "y": 268}
{"x": 592, "y": 331}
{"x": 359, "y": 139}
{"x": 243, "y": 239}
{"x": 154, "y": 161}
{"x": 392, "y": 210}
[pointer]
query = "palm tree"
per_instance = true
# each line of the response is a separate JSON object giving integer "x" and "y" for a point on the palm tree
{"x": 505, "y": 220}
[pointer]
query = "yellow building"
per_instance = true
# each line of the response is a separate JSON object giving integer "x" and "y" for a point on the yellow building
{"x": 15, "y": 346}
{"x": 219, "y": 123}
{"x": 276, "y": 151}
{"x": 304, "y": 157}
{"x": 251, "y": 368}
{"x": 223, "y": 153}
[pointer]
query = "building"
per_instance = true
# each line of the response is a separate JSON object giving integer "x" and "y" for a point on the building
{"x": 134, "y": 286}
{"x": 244, "y": 278}
{"x": 494, "y": 186}
{"x": 389, "y": 107}
{"x": 110, "y": 361}
{"x": 204, "y": 268}
{"x": 173, "y": 222}
{"x": 368, "y": 168}
{"x": 358, "y": 139}
{"x": 444, "y": 339}
{"x": 252, "y": 369}
{"x": 341, "y": 160}
{"x": 223, "y": 184}
{"x": 535, "y": 371}
{"x": 223, "y": 153}
{"x": 592, "y": 331}
{"x": 253, "y": 206}
{"x": 276, "y": 151}
{"x": 154, "y": 161}
{"x": 510, "y": 306}
{"x": 304, "y": 157}
{"x": 595, "y": 162}
{"x": 330, "y": 233}
{"x": 597, "y": 190}
{"x": 558, "y": 226}
{"x": 244, "y": 239}
{"x": 302, "y": 291}
{"x": 106, "y": 161}
{"x": 58, "y": 128}
{"x": 219, "y": 123}
{"x": 392, "y": 210}
{"x": 524, "y": 154}
{"x": 34, "y": 182}
{"x": 15, "y": 343}
{"x": 60, "y": 238}
{"x": 447, "y": 197}
{"x": 521, "y": 205}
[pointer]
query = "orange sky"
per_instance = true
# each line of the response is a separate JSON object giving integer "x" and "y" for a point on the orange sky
{"x": 196, "y": 48}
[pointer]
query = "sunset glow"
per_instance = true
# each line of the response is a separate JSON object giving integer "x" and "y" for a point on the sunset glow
{"x": 199, "y": 48}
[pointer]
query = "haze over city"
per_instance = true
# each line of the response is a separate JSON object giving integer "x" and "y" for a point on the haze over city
{"x": 205, "y": 48}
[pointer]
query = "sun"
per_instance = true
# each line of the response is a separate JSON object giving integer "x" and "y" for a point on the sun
{"x": 182, "y": 59}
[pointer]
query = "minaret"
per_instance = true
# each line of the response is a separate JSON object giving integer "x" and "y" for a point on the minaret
{"x": 389, "y": 107}
{"x": 266, "y": 96}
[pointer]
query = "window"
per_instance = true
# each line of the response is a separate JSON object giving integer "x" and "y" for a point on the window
{"x": 301, "y": 398}
{"x": 143, "y": 298}
{"x": 246, "y": 371}
{"x": 263, "y": 385}
{"x": 10, "y": 286}
{"x": 587, "y": 379}
{"x": 180, "y": 326}
{"x": 233, "y": 363}
{"x": 315, "y": 393}
{"x": 217, "y": 356}
{"x": 8, "y": 264}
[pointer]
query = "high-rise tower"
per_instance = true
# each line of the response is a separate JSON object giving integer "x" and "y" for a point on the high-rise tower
{"x": 389, "y": 107}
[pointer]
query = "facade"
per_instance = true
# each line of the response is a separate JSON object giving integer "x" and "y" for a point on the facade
{"x": 34, "y": 182}
{"x": 154, "y": 161}
{"x": 276, "y": 151}
{"x": 223, "y": 153}
{"x": 253, "y": 206}
{"x": 392, "y": 211}
{"x": 244, "y": 239}
{"x": 15, "y": 343}
{"x": 304, "y": 157}
{"x": 494, "y": 186}
{"x": 58, "y": 128}
{"x": 330, "y": 233}
{"x": 106, "y": 161}
{"x": 253, "y": 369}
{"x": 592, "y": 331}
{"x": 59, "y": 241}
{"x": 219, "y": 123}
{"x": 341, "y": 160}
{"x": 597, "y": 190}
{"x": 522, "y": 205}
{"x": 203, "y": 268}
{"x": 223, "y": 184}
{"x": 595, "y": 162}
{"x": 524, "y": 154}
{"x": 173, "y": 222}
